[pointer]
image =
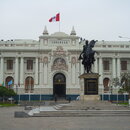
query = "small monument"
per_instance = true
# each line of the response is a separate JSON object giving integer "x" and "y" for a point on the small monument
{"x": 88, "y": 80}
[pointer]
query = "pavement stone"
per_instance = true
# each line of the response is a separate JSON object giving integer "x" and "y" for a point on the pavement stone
{"x": 9, "y": 122}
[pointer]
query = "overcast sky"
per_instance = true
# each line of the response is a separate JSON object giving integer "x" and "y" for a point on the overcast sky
{"x": 92, "y": 19}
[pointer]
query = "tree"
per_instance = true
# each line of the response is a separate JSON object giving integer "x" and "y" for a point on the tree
{"x": 6, "y": 92}
{"x": 3, "y": 91}
{"x": 115, "y": 82}
{"x": 125, "y": 81}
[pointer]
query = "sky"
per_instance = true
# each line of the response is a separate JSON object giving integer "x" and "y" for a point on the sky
{"x": 92, "y": 19}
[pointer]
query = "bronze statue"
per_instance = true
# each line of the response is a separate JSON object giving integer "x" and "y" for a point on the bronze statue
{"x": 87, "y": 55}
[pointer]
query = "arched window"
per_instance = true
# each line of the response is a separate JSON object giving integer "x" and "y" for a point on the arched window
{"x": 9, "y": 82}
{"x": 106, "y": 84}
{"x": 29, "y": 84}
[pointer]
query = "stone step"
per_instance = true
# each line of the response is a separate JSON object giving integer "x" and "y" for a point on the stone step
{"x": 42, "y": 103}
{"x": 90, "y": 97}
{"x": 81, "y": 113}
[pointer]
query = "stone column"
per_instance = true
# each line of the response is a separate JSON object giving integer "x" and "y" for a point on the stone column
{"x": 113, "y": 67}
{"x": 41, "y": 74}
{"x": 100, "y": 72}
{"x": 68, "y": 83}
{"x": 73, "y": 70}
{"x": 96, "y": 65}
{"x": 2, "y": 70}
{"x": 118, "y": 68}
{"x": 101, "y": 87}
{"x": 16, "y": 71}
{"x": 21, "y": 71}
{"x": 45, "y": 70}
{"x": 77, "y": 72}
{"x": 82, "y": 68}
{"x": 36, "y": 71}
{"x": 73, "y": 74}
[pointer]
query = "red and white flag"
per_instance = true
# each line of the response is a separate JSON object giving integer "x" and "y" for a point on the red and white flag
{"x": 55, "y": 18}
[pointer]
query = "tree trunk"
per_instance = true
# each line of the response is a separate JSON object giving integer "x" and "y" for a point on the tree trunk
{"x": 3, "y": 99}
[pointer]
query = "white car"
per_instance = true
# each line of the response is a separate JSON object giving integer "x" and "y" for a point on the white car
{"x": 10, "y": 99}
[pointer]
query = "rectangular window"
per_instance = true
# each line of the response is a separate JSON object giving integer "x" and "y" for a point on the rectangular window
{"x": 9, "y": 64}
{"x": 106, "y": 65}
{"x": 29, "y": 64}
{"x": 123, "y": 65}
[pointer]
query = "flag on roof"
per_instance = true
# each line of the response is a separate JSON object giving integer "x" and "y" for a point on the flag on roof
{"x": 55, "y": 18}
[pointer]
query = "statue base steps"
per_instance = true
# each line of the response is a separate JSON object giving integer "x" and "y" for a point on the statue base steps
{"x": 90, "y": 97}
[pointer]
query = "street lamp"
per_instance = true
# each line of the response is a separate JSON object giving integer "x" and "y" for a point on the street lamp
{"x": 123, "y": 37}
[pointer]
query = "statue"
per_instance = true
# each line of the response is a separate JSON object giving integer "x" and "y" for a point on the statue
{"x": 87, "y": 55}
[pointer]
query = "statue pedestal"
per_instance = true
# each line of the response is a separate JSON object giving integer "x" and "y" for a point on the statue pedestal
{"x": 89, "y": 86}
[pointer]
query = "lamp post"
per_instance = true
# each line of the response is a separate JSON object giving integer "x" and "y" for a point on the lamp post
{"x": 17, "y": 93}
{"x": 124, "y": 37}
{"x": 111, "y": 91}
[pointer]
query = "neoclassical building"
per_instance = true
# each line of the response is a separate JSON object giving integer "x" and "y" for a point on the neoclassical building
{"x": 50, "y": 66}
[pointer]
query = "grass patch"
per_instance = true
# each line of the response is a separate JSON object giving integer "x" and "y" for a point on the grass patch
{"x": 7, "y": 105}
{"x": 123, "y": 103}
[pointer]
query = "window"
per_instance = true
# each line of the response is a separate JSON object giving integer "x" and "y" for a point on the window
{"x": 106, "y": 84}
{"x": 123, "y": 65}
{"x": 106, "y": 65}
{"x": 9, "y": 64}
{"x": 29, "y": 84}
{"x": 29, "y": 64}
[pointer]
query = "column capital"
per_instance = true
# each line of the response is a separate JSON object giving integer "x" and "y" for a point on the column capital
{"x": 96, "y": 56}
{"x": 1, "y": 56}
{"x": 100, "y": 57}
{"x": 114, "y": 57}
{"x": 118, "y": 57}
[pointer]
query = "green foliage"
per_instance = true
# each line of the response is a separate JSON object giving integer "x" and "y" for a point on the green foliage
{"x": 124, "y": 103}
{"x": 7, "y": 105}
{"x": 125, "y": 82}
{"x": 122, "y": 90}
{"x": 5, "y": 92}
{"x": 115, "y": 82}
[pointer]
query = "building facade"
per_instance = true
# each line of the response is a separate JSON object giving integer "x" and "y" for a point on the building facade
{"x": 50, "y": 66}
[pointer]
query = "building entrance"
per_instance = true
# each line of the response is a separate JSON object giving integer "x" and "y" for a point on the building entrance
{"x": 59, "y": 85}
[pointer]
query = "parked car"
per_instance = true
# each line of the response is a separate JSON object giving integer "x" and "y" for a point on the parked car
{"x": 1, "y": 98}
{"x": 10, "y": 99}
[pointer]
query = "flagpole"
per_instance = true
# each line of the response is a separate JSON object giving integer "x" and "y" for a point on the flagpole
{"x": 59, "y": 26}
{"x": 59, "y": 21}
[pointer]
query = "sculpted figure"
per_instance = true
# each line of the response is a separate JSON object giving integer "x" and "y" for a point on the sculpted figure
{"x": 87, "y": 55}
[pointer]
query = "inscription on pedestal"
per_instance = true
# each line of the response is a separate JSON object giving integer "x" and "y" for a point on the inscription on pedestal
{"x": 90, "y": 86}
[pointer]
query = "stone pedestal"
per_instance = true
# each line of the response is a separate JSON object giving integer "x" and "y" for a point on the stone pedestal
{"x": 89, "y": 86}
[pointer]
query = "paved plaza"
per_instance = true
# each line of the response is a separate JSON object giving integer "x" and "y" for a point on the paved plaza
{"x": 9, "y": 122}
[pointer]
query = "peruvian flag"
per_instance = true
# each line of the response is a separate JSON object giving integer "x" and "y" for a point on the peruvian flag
{"x": 55, "y": 18}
